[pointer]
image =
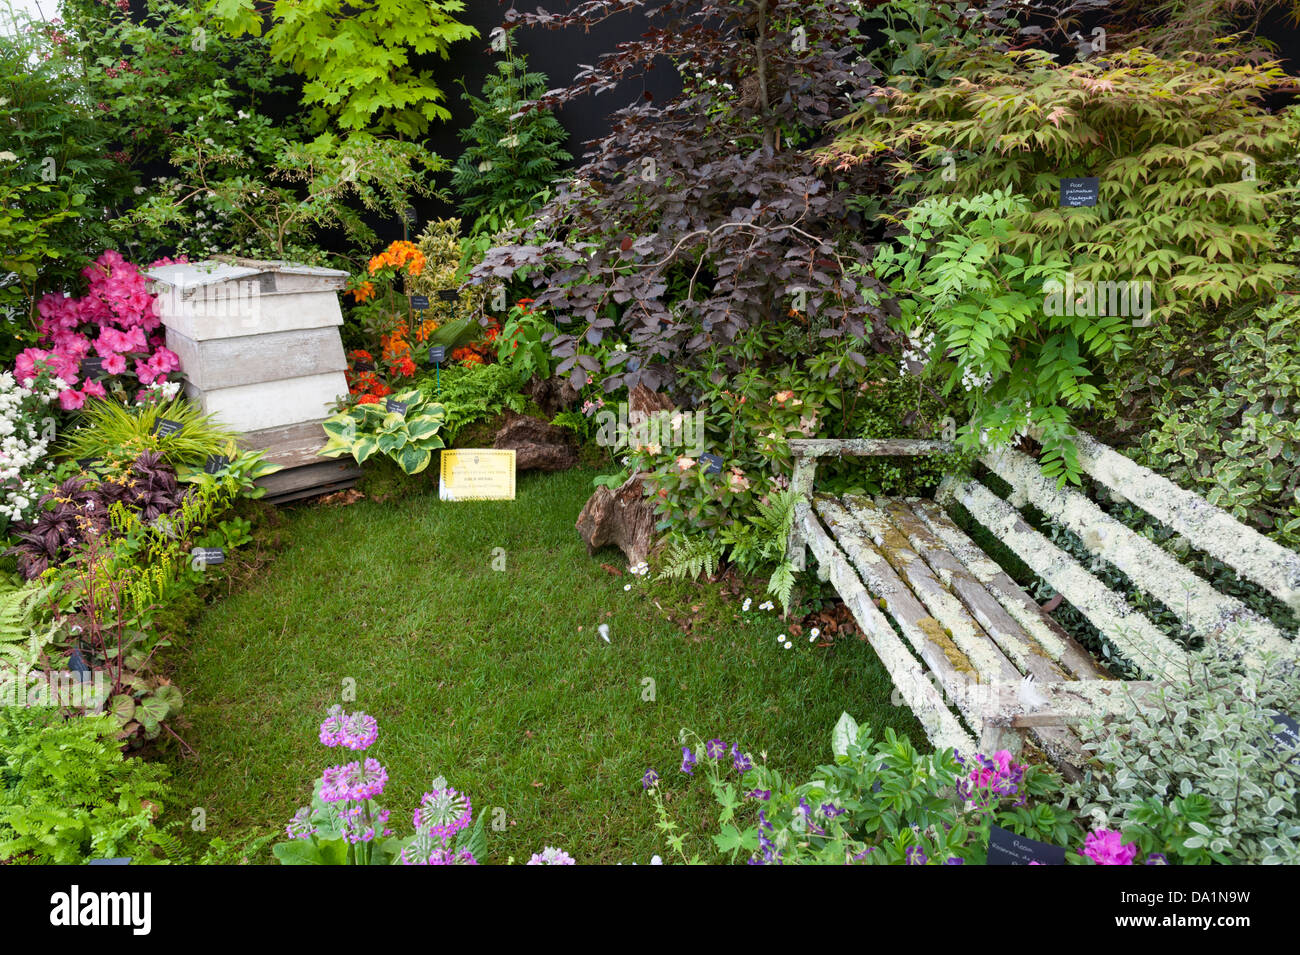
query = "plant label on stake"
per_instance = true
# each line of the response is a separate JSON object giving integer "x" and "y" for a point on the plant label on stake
{"x": 215, "y": 464}
{"x": 1082, "y": 191}
{"x": 420, "y": 303}
{"x": 438, "y": 354}
{"x": 1007, "y": 848}
{"x": 363, "y": 366}
{"x": 202, "y": 557}
{"x": 395, "y": 407}
{"x": 450, "y": 295}
{"x": 165, "y": 426}
{"x": 714, "y": 463}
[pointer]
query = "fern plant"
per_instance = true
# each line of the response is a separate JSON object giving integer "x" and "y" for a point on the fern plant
{"x": 751, "y": 546}
{"x": 512, "y": 155}
{"x": 67, "y": 794}
{"x": 24, "y": 629}
{"x": 981, "y": 315}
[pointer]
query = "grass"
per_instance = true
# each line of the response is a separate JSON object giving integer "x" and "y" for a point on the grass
{"x": 498, "y": 680}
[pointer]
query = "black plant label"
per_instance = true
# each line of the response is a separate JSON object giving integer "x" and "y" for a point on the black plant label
{"x": 165, "y": 426}
{"x": 398, "y": 407}
{"x": 1286, "y": 733}
{"x": 1080, "y": 192}
{"x": 207, "y": 556}
{"x": 216, "y": 463}
{"x": 713, "y": 463}
{"x": 419, "y": 302}
{"x": 437, "y": 354}
{"x": 92, "y": 366}
{"x": 1007, "y": 848}
{"x": 449, "y": 294}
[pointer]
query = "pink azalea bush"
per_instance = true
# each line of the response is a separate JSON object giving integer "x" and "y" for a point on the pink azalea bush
{"x": 115, "y": 319}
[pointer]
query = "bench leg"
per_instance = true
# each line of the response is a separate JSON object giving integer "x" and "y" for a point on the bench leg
{"x": 994, "y": 737}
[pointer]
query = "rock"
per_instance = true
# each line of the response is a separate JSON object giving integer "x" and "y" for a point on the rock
{"x": 623, "y": 518}
{"x": 552, "y": 395}
{"x": 538, "y": 446}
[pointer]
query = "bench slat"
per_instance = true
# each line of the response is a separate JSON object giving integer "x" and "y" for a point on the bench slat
{"x": 944, "y": 658}
{"x": 1050, "y": 635}
{"x": 1022, "y": 649}
{"x": 1251, "y": 554}
{"x": 920, "y": 695}
{"x": 1208, "y": 613}
{"x": 1135, "y": 636}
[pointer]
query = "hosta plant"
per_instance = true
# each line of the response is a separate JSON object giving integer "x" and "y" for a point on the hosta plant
{"x": 408, "y": 435}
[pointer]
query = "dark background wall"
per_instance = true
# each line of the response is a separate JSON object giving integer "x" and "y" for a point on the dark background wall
{"x": 557, "y": 53}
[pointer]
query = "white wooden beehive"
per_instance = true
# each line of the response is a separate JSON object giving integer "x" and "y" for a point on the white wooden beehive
{"x": 260, "y": 348}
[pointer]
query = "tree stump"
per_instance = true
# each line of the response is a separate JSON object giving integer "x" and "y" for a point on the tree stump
{"x": 623, "y": 518}
{"x": 538, "y": 446}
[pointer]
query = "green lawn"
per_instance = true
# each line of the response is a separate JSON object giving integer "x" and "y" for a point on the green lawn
{"x": 497, "y": 680}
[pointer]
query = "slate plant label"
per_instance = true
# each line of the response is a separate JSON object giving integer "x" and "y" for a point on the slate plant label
{"x": 395, "y": 406}
{"x": 714, "y": 463}
{"x": 449, "y": 294}
{"x": 208, "y": 556}
{"x": 92, "y": 366}
{"x": 419, "y": 302}
{"x": 165, "y": 426}
{"x": 1080, "y": 192}
{"x": 216, "y": 463}
{"x": 1286, "y": 733}
{"x": 87, "y": 463}
{"x": 1007, "y": 848}
{"x": 363, "y": 366}
{"x": 438, "y": 354}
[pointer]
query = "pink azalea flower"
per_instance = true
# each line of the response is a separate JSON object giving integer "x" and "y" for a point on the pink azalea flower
{"x": 70, "y": 399}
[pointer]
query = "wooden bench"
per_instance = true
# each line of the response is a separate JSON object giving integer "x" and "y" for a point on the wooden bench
{"x": 972, "y": 638}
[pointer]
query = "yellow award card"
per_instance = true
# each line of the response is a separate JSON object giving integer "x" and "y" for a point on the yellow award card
{"x": 471, "y": 474}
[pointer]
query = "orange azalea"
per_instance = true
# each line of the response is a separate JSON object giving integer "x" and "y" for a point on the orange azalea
{"x": 400, "y": 253}
{"x": 364, "y": 291}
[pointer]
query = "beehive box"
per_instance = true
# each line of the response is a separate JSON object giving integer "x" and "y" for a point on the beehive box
{"x": 259, "y": 345}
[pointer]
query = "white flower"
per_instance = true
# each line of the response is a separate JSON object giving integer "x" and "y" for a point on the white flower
{"x": 744, "y": 608}
{"x": 788, "y": 644}
{"x": 627, "y": 586}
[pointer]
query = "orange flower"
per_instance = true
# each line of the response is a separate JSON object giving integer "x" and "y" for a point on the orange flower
{"x": 400, "y": 253}
{"x": 364, "y": 291}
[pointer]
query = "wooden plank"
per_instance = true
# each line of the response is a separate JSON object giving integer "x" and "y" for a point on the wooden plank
{"x": 1131, "y": 632}
{"x": 270, "y": 404}
{"x": 922, "y": 698}
{"x": 1060, "y": 704}
{"x": 991, "y": 663}
{"x": 1021, "y": 648}
{"x": 941, "y": 654}
{"x": 1250, "y": 553}
{"x": 250, "y": 359}
{"x": 291, "y": 445}
{"x": 325, "y": 473}
{"x": 1208, "y": 613}
{"x": 1047, "y": 633}
{"x": 824, "y": 447}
